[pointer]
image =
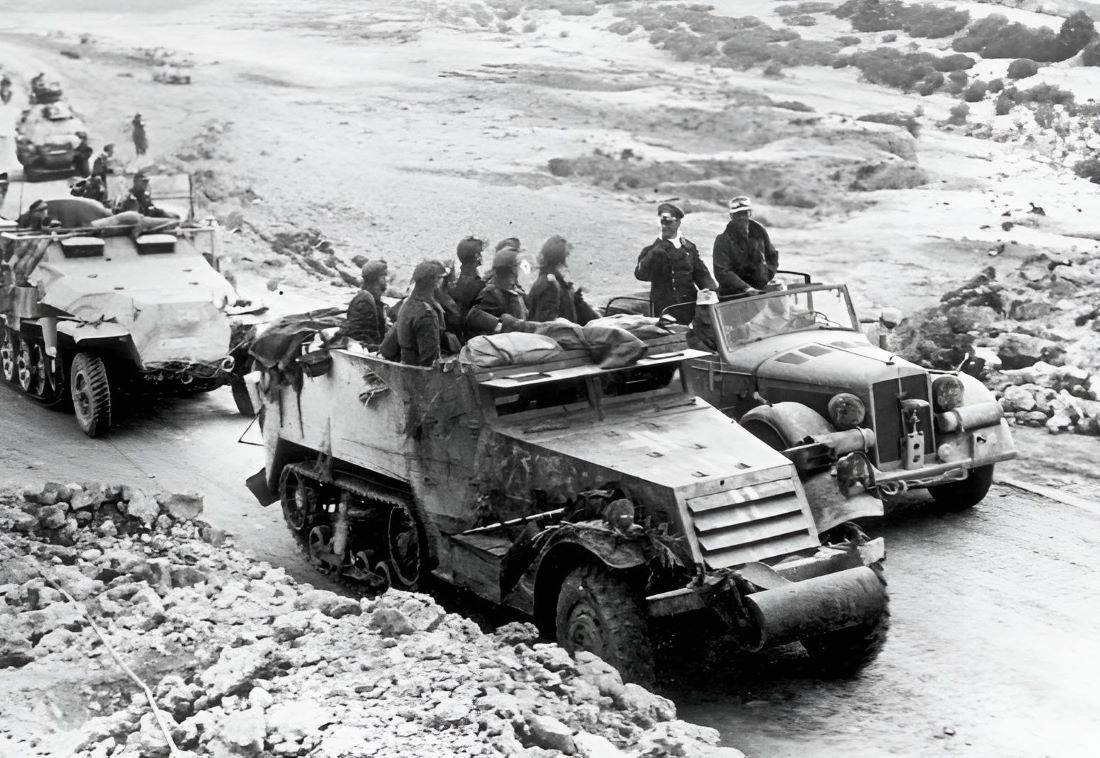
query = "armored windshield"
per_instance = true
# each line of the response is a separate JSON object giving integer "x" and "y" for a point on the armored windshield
{"x": 751, "y": 319}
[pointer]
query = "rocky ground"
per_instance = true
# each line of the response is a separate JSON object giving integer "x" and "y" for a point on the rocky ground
{"x": 1036, "y": 327}
{"x": 242, "y": 660}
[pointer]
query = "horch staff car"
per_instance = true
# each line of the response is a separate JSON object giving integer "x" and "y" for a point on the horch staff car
{"x": 794, "y": 367}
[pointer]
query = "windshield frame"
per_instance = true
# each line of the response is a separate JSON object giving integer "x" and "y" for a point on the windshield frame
{"x": 722, "y": 311}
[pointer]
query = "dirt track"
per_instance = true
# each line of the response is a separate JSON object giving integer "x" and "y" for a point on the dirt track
{"x": 991, "y": 609}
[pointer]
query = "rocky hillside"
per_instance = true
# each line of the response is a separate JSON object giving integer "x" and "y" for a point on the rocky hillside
{"x": 241, "y": 660}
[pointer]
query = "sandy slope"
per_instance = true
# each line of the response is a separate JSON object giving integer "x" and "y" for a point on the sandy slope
{"x": 399, "y": 130}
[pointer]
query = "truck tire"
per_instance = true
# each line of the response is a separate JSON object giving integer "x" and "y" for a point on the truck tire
{"x": 958, "y": 496}
{"x": 240, "y": 397}
{"x": 91, "y": 391}
{"x": 600, "y": 611}
{"x": 845, "y": 653}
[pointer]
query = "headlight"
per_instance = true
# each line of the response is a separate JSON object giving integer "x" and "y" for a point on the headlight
{"x": 947, "y": 393}
{"x": 846, "y": 410}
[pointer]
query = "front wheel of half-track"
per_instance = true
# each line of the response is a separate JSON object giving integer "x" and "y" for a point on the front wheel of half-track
{"x": 846, "y": 652}
{"x": 601, "y": 611}
{"x": 90, "y": 387}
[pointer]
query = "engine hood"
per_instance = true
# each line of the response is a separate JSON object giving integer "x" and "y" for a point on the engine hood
{"x": 172, "y": 308}
{"x": 821, "y": 357}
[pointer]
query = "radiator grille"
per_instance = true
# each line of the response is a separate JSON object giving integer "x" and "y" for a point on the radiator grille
{"x": 887, "y": 421}
{"x": 750, "y": 523}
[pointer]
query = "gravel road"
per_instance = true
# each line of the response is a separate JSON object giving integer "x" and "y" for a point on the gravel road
{"x": 989, "y": 651}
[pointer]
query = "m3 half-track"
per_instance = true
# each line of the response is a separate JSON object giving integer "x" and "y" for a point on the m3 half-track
{"x": 594, "y": 500}
{"x": 794, "y": 368}
{"x": 89, "y": 314}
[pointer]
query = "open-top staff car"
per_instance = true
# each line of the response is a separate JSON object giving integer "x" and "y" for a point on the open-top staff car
{"x": 794, "y": 367}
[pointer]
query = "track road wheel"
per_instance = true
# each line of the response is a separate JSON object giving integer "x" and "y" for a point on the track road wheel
{"x": 9, "y": 350}
{"x": 958, "y": 496}
{"x": 91, "y": 391}
{"x": 844, "y": 653}
{"x": 601, "y": 611}
{"x": 298, "y": 497}
{"x": 30, "y": 378}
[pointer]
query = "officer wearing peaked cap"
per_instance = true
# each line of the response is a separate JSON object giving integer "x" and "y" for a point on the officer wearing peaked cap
{"x": 672, "y": 266}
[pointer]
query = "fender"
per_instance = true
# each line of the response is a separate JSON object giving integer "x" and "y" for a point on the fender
{"x": 563, "y": 549}
{"x": 795, "y": 423}
{"x": 104, "y": 335}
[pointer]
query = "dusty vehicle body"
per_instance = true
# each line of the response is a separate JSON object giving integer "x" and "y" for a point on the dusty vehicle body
{"x": 794, "y": 368}
{"x": 46, "y": 140}
{"x": 593, "y": 500}
{"x": 91, "y": 313}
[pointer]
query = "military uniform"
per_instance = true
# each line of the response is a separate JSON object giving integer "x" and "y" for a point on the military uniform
{"x": 675, "y": 275}
{"x": 419, "y": 326}
{"x": 366, "y": 320}
{"x": 744, "y": 259}
{"x": 82, "y": 156}
{"x": 141, "y": 202}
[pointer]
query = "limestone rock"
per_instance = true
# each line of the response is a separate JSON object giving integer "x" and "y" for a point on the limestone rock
{"x": 245, "y": 731}
{"x": 296, "y": 719}
{"x": 142, "y": 507}
{"x": 328, "y": 603}
{"x": 184, "y": 506}
{"x": 547, "y": 732}
{"x": 238, "y": 669}
{"x": 391, "y": 623}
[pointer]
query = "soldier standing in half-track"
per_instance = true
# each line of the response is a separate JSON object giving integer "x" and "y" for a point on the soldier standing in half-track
{"x": 673, "y": 268}
{"x": 420, "y": 323}
{"x": 141, "y": 200}
{"x": 469, "y": 283}
{"x": 366, "y": 314}
{"x": 102, "y": 166}
{"x": 82, "y": 156}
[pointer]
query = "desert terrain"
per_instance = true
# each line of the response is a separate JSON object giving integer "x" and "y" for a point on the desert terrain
{"x": 319, "y": 134}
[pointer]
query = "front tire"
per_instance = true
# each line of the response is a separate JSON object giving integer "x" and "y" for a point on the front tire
{"x": 958, "y": 496}
{"x": 601, "y": 611}
{"x": 241, "y": 397}
{"x": 844, "y": 653}
{"x": 91, "y": 392}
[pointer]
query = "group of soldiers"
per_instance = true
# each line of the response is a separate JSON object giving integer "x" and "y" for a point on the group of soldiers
{"x": 92, "y": 177}
{"x": 444, "y": 308}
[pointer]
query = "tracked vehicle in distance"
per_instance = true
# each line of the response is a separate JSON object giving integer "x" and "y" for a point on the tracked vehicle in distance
{"x": 594, "y": 500}
{"x": 90, "y": 314}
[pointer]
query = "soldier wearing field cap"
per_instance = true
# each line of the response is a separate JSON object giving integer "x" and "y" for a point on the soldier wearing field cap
{"x": 468, "y": 285}
{"x": 672, "y": 266}
{"x": 366, "y": 314}
{"x": 744, "y": 258}
{"x": 419, "y": 326}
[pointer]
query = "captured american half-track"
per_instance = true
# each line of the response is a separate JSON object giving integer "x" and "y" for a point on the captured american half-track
{"x": 795, "y": 369}
{"x": 123, "y": 303}
{"x": 595, "y": 500}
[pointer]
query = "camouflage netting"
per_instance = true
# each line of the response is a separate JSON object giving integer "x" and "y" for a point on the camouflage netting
{"x": 245, "y": 661}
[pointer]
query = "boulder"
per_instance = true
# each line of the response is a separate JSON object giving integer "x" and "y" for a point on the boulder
{"x": 142, "y": 507}
{"x": 645, "y": 707}
{"x": 237, "y": 669}
{"x": 244, "y": 731}
{"x": 184, "y": 506}
{"x": 52, "y": 516}
{"x": 328, "y": 603}
{"x": 1017, "y": 399}
{"x": 390, "y": 623}
{"x": 295, "y": 719}
{"x": 1018, "y": 350}
{"x": 549, "y": 733}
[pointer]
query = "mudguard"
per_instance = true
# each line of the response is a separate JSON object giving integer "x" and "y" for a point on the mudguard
{"x": 795, "y": 423}
{"x": 549, "y": 551}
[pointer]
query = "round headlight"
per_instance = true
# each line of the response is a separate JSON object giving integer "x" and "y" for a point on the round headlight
{"x": 947, "y": 393}
{"x": 846, "y": 410}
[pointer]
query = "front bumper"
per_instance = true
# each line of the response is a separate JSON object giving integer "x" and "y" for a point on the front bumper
{"x": 186, "y": 372}
{"x": 956, "y": 453}
{"x": 833, "y": 589}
